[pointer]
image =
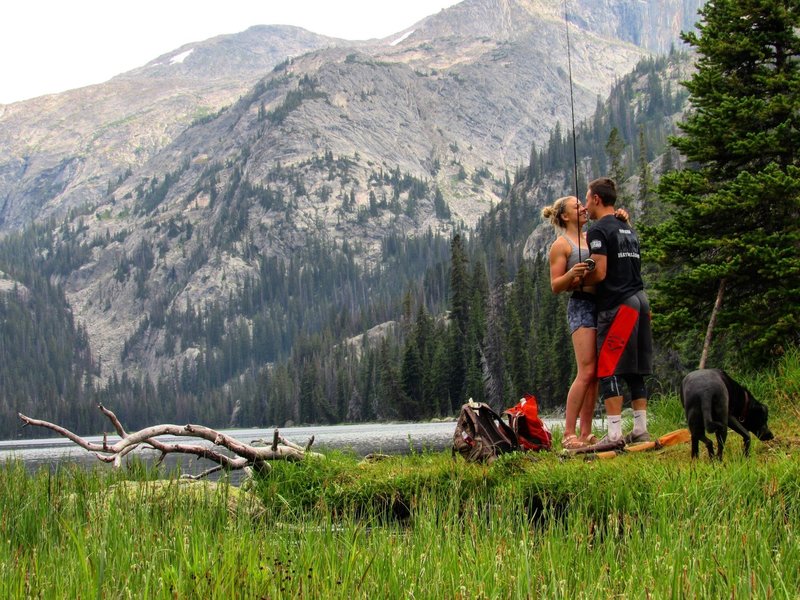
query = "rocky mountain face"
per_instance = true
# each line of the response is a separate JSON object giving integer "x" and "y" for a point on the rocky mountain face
{"x": 180, "y": 178}
{"x": 651, "y": 25}
{"x": 60, "y": 151}
{"x": 648, "y": 24}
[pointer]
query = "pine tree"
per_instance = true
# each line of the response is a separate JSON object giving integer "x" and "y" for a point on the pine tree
{"x": 459, "y": 327}
{"x": 439, "y": 388}
{"x": 390, "y": 397}
{"x": 645, "y": 191}
{"x": 476, "y": 334}
{"x": 440, "y": 205}
{"x": 517, "y": 353}
{"x": 736, "y": 208}
{"x": 424, "y": 339}
{"x": 493, "y": 360}
{"x": 615, "y": 147}
{"x": 411, "y": 379}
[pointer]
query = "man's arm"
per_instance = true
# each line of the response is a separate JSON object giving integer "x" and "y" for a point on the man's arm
{"x": 598, "y": 246}
{"x": 598, "y": 274}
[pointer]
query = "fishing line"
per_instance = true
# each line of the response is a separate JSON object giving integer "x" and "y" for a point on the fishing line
{"x": 574, "y": 143}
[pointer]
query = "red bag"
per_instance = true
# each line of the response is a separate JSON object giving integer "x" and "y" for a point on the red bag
{"x": 532, "y": 433}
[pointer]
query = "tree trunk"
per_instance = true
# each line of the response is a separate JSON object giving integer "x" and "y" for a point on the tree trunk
{"x": 711, "y": 322}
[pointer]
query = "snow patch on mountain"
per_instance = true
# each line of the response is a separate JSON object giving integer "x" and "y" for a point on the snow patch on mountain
{"x": 179, "y": 58}
{"x": 402, "y": 37}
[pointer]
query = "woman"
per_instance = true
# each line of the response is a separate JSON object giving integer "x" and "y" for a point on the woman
{"x": 567, "y": 268}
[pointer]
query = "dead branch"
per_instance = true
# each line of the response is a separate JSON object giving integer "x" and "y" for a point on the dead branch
{"x": 711, "y": 323}
{"x": 223, "y": 460}
{"x": 245, "y": 455}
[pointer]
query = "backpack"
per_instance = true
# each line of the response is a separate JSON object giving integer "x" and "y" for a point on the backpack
{"x": 531, "y": 432}
{"x": 481, "y": 435}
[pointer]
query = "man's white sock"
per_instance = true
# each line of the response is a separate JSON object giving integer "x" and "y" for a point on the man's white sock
{"x": 614, "y": 427}
{"x": 639, "y": 421}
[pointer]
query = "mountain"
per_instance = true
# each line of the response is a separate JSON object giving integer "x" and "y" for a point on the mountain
{"x": 224, "y": 188}
{"x": 61, "y": 150}
{"x": 64, "y": 150}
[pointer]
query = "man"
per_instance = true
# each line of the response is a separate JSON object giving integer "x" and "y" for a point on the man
{"x": 624, "y": 336}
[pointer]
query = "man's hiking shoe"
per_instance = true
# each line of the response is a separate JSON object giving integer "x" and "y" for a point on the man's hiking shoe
{"x": 632, "y": 438}
{"x": 603, "y": 445}
{"x": 606, "y": 444}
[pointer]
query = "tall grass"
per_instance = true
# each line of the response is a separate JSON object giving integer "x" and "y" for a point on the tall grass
{"x": 424, "y": 526}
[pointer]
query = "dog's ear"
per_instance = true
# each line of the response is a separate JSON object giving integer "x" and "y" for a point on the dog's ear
{"x": 759, "y": 411}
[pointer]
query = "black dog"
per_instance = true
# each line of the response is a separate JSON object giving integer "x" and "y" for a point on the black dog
{"x": 713, "y": 402}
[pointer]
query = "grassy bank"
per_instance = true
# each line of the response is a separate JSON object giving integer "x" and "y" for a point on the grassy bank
{"x": 426, "y": 526}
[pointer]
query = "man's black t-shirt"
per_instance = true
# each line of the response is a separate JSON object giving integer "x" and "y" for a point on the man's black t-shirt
{"x": 618, "y": 242}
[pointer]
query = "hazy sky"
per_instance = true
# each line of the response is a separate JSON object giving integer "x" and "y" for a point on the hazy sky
{"x": 50, "y": 46}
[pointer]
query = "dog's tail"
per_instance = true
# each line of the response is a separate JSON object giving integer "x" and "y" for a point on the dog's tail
{"x": 709, "y": 423}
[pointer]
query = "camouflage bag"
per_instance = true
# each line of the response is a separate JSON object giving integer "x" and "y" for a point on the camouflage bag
{"x": 481, "y": 435}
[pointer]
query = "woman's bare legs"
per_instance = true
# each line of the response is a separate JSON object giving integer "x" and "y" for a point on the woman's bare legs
{"x": 587, "y": 411}
{"x": 586, "y": 357}
{"x": 583, "y": 391}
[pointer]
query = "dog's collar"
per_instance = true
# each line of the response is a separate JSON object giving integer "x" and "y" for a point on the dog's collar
{"x": 745, "y": 408}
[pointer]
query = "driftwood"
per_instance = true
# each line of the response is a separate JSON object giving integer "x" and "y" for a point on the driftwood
{"x": 255, "y": 455}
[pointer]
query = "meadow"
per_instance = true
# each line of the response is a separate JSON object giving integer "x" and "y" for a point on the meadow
{"x": 649, "y": 525}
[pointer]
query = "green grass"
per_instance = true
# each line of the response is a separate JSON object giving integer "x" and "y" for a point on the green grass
{"x": 653, "y": 525}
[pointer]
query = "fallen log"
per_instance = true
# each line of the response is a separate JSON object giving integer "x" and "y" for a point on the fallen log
{"x": 255, "y": 455}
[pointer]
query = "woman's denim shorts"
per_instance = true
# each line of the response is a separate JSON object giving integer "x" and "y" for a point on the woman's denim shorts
{"x": 581, "y": 312}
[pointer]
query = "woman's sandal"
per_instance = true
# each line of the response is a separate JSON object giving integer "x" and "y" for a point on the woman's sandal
{"x": 591, "y": 440}
{"x": 572, "y": 442}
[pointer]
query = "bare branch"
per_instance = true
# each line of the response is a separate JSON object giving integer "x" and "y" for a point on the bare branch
{"x": 205, "y": 473}
{"x": 114, "y": 420}
{"x": 63, "y": 433}
{"x": 286, "y": 442}
{"x": 711, "y": 323}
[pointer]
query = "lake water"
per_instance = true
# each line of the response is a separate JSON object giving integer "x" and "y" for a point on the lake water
{"x": 361, "y": 439}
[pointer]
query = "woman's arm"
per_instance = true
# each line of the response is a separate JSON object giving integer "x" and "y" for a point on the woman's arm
{"x": 561, "y": 279}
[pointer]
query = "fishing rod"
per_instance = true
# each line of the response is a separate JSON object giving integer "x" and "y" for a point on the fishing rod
{"x": 574, "y": 143}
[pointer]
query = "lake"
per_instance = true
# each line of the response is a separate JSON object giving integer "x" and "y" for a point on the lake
{"x": 361, "y": 439}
